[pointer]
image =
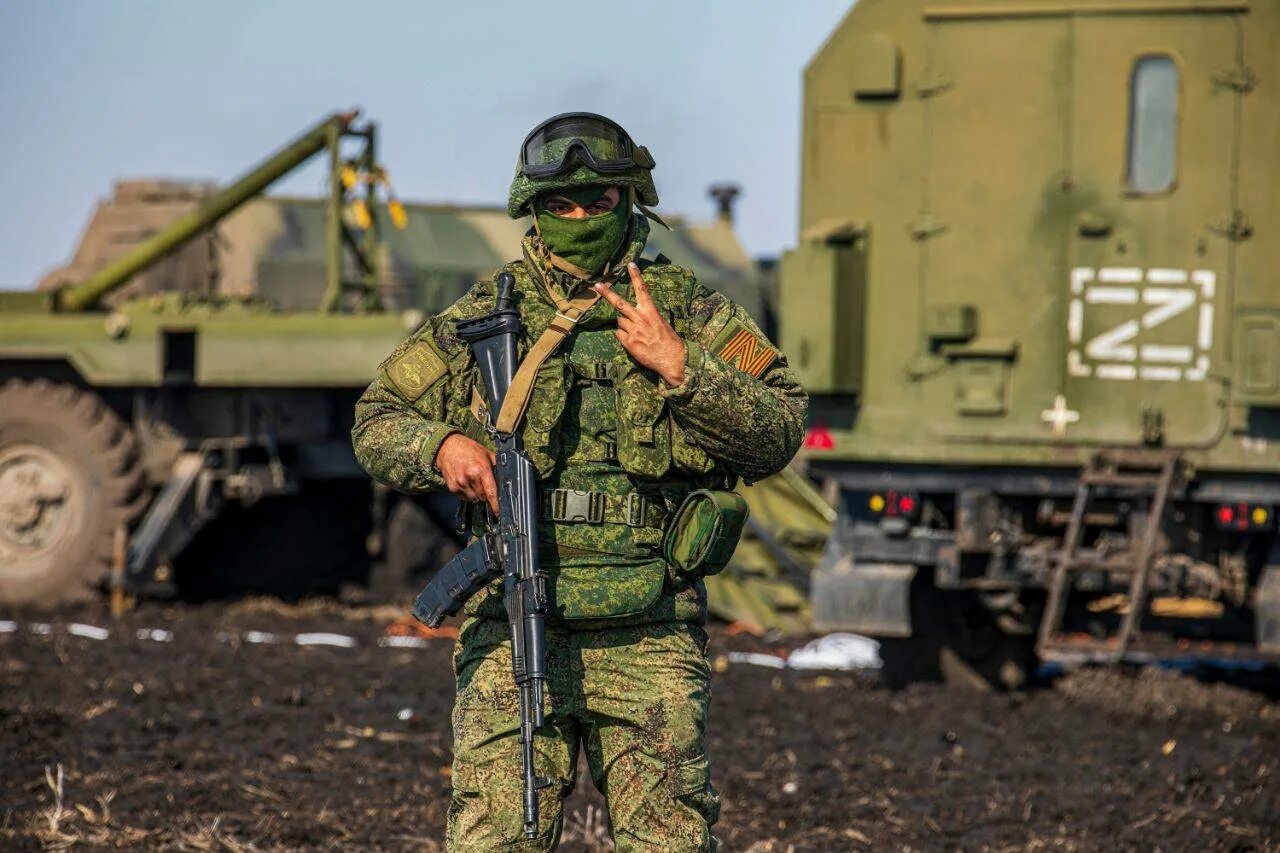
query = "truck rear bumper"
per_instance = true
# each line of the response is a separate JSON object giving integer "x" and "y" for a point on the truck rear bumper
{"x": 871, "y": 598}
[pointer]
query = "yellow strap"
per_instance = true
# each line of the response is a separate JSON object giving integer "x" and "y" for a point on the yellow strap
{"x": 516, "y": 402}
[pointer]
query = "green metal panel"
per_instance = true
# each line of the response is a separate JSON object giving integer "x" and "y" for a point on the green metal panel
{"x": 295, "y": 350}
{"x": 877, "y": 70}
{"x": 989, "y": 243}
{"x": 84, "y": 341}
{"x": 1258, "y": 357}
{"x": 997, "y": 189}
{"x": 1149, "y": 274}
{"x": 234, "y": 347}
{"x": 823, "y": 306}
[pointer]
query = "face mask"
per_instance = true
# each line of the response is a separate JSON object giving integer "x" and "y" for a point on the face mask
{"x": 586, "y": 243}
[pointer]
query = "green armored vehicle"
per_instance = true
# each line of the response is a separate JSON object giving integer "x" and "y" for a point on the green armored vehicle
{"x": 1048, "y": 385}
{"x": 185, "y": 385}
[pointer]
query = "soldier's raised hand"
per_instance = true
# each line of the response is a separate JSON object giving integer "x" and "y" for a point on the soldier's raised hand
{"x": 467, "y": 468}
{"x": 645, "y": 332}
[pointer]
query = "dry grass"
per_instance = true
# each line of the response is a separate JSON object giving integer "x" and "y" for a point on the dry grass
{"x": 64, "y": 824}
{"x": 211, "y": 837}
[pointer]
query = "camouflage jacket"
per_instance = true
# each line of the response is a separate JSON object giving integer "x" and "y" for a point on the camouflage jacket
{"x": 598, "y": 422}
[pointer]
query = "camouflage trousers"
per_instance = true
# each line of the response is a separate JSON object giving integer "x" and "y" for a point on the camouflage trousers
{"x": 633, "y": 698}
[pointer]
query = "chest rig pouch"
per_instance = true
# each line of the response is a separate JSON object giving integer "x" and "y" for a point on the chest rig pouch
{"x": 648, "y": 442}
{"x": 644, "y": 434}
{"x": 608, "y": 559}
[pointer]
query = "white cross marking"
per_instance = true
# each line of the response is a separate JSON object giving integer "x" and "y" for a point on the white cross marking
{"x": 1059, "y": 416}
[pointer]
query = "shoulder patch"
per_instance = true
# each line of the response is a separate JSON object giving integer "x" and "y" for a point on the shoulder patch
{"x": 416, "y": 370}
{"x": 741, "y": 347}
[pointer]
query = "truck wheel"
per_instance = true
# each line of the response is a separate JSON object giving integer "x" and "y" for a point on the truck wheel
{"x": 69, "y": 476}
{"x": 957, "y": 640}
{"x": 979, "y": 653}
{"x": 907, "y": 660}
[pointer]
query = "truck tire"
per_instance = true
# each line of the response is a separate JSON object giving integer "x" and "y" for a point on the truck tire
{"x": 69, "y": 476}
{"x": 957, "y": 640}
{"x": 979, "y": 653}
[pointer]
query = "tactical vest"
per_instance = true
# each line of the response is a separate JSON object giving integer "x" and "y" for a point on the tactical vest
{"x": 651, "y": 455}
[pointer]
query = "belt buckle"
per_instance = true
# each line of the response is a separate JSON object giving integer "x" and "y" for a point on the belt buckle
{"x": 573, "y": 505}
{"x": 636, "y": 506}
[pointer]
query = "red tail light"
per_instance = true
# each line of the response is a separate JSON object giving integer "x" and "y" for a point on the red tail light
{"x": 819, "y": 438}
{"x": 1243, "y": 517}
{"x": 894, "y": 504}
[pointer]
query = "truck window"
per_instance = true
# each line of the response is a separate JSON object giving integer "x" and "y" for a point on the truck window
{"x": 1153, "y": 124}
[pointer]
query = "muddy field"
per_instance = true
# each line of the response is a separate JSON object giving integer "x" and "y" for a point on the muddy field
{"x": 218, "y": 738}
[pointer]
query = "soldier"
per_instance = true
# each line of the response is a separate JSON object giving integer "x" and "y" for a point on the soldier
{"x": 660, "y": 388}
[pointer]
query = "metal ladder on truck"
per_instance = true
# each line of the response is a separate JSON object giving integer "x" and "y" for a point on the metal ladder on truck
{"x": 1135, "y": 474}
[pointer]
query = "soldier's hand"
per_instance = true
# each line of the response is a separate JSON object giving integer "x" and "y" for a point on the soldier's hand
{"x": 467, "y": 468}
{"x": 645, "y": 333}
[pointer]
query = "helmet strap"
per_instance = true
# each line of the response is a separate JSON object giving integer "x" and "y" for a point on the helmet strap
{"x": 652, "y": 215}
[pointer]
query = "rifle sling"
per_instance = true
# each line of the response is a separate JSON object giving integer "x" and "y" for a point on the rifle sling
{"x": 568, "y": 313}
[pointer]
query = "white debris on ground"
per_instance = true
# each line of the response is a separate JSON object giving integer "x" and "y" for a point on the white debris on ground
{"x": 837, "y": 651}
{"x": 758, "y": 659}
{"x": 89, "y": 632}
{"x": 323, "y": 639}
{"x": 840, "y": 652}
{"x": 399, "y": 642}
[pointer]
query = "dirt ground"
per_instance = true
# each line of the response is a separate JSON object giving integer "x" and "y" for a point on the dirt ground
{"x": 211, "y": 741}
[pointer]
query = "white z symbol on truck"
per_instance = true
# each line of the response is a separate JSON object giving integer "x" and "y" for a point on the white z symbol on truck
{"x": 1117, "y": 352}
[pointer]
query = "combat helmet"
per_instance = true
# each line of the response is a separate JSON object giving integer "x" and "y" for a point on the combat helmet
{"x": 580, "y": 149}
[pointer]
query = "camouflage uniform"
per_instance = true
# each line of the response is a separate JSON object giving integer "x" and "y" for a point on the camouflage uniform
{"x": 628, "y": 676}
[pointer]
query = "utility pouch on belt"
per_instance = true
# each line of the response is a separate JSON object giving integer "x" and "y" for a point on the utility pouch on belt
{"x": 705, "y": 531}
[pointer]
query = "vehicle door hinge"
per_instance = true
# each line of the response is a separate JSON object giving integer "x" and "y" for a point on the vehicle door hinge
{"x": 1234, "y": 227}
{"x": 933, "y": 84}
{"x": 1240, "y": 77}
{"x": 926, "y": 226}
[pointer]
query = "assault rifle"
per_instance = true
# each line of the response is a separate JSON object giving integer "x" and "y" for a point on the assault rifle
{"x": 509, "y": 549}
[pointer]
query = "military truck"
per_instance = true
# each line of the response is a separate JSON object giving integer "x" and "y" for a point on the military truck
{"x": 1048, "y": 382}
{"x": 186, "y": 383}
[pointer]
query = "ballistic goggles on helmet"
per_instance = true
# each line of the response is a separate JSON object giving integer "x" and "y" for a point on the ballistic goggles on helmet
{"x": 595, "y": 141}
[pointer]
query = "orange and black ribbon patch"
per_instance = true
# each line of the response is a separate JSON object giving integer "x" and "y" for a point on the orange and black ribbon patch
{"x": 744, "y": 350}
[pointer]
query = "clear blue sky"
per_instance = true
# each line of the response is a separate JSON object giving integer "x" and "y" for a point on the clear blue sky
{"x": 94, "y": 90}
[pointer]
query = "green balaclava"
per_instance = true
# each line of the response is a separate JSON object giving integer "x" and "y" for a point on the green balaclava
{"x": 588, "y": 244}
